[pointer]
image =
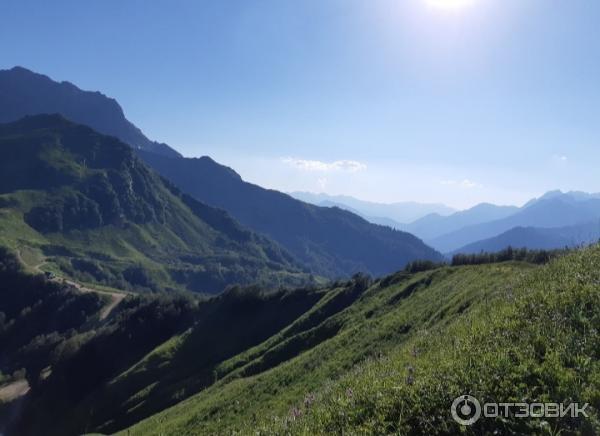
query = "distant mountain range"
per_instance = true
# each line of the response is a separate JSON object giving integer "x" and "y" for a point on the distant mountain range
{"x": 555, "y": 210}
{"x": 538, "y": 238}
{"x": 328, "y": 241}
{"x": 391, "y": 214}
{"x": 434, "y": 225}
{"x": 571, "y": 196}
{"x": 554, "y": 220}
{"x": 382, "y": 221}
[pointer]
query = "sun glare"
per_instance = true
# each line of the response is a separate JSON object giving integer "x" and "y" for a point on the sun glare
{"x": 449, "y": 4}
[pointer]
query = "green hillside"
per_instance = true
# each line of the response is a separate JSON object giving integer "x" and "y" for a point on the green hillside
{"x": 56, "y": 343}
{"x": 358, "y": 357}
{"x": 83, "y": 205}
{"x": 393, "y": 361}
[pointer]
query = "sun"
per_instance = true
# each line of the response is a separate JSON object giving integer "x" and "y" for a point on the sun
{"x": 449, "y": 4}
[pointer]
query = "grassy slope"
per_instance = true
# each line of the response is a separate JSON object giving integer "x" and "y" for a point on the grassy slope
{"x": 269, "y": 379}
{"x": 184, "y": 364}
{"x": 180, "y": 243}
{"x": 540, "y": 343}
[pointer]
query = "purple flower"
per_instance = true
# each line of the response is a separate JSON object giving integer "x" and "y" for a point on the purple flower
{"x": 309, "y": 400}
{"x": 295, "y": 413}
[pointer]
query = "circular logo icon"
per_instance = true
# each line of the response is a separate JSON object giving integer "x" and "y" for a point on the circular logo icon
{"x": 466, "y": 410}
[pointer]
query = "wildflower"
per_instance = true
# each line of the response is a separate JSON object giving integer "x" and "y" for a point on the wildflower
{"x": 295, "y": 413}
{"x": 309, "y": 400}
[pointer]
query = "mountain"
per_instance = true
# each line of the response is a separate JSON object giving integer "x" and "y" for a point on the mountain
{"x": 537, "y": 238}
{"x": 85, "y": 206}
{"x": 557, "y": 211}
{"x": 379, "y": 213}
{"x": 23, "y": 92}
{"x": 573, "y": 196}
{"x": 374, "y": 220}
{"x": 332, "y": 242}
{"x": 435, "y": 225}
{"x": 326, "y": 240}
{"x": 348, "y": 358}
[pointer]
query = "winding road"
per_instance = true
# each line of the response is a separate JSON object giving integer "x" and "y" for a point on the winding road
{"x": 115, "y": 297}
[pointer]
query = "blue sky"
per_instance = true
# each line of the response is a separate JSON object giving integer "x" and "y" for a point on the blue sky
{"x": 387, "y": 100}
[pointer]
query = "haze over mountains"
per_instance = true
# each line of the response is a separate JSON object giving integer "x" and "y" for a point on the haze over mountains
{"x": 554, "y": 220}
{"x": 435, "y": 225}
{"x": 394, "y": 213}
{"x": 550, "y": 211}
{"x": 538, "y": 238}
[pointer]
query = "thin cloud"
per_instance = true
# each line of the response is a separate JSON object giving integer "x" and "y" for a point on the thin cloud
{"x": 560, "y": 158}
{"x": 350, "y": 166}
{"x": 464, "y": 184}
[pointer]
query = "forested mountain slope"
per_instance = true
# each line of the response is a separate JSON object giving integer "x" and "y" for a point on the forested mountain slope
{"x": 331, "y": 241}
{"x": 91, "y": 210}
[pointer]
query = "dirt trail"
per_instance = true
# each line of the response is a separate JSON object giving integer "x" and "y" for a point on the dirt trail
{"x": 13, "y": 390}
{"x": 115, "y": 297}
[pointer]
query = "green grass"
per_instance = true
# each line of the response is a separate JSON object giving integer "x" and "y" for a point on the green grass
{"x": 265, "y": 382}
{"x": 401, "y": 353}
{"x": 13, "y": 230}
{"x": 536, "y": 341}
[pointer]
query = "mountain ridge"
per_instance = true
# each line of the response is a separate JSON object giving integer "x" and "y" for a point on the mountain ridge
{"x": 537, "y": 238}
{"x": 434, "y": 225}
{"x": 400, "y": 213}
{"x": 24, "y": 92}
{"x": 324, "y": 238}
{"x": 546, "y": 213}
{"x": 88, "y": 204}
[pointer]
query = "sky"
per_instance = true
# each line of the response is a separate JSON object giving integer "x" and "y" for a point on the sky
{"x": 443, "y": 101}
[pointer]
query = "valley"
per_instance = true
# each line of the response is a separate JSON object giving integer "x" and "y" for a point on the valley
{"x": 320, "y": 218}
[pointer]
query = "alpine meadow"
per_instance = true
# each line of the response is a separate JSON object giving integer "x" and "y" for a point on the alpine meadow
{"x": 330, "y": 217}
